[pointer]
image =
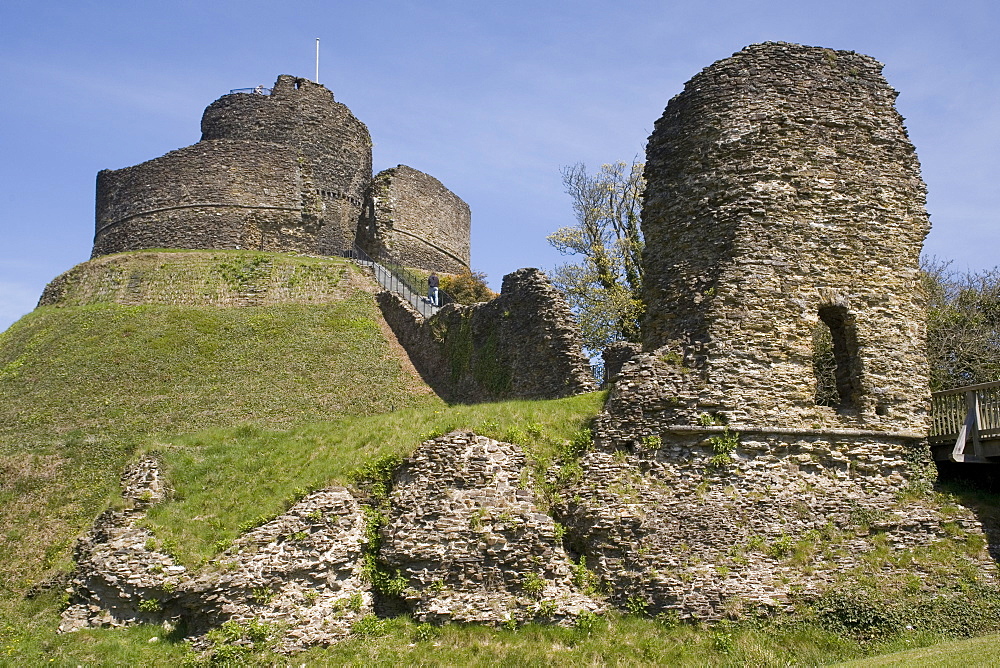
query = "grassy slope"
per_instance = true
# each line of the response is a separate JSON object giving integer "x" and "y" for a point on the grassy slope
{"x": 81, "y": 387}
{"x": 248, "y": 406}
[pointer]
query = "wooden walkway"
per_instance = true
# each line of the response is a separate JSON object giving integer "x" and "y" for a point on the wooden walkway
{"x": 965, "y": 424}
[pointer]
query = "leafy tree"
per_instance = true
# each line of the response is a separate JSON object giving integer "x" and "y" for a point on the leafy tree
{"x": 469, "y": 287}
{"x": 604, "y": 283}
{"x": 963, "y": 325}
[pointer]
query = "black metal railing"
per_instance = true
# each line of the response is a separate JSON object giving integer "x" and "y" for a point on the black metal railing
{"x": 410, "y": 284}
{"x": 597, "y": 371}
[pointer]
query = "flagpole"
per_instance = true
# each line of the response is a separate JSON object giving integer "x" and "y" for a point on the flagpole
{"x": 317, "y": 60}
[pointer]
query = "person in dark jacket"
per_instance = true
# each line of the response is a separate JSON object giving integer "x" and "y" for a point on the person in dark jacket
{"x": 432, "y": 288}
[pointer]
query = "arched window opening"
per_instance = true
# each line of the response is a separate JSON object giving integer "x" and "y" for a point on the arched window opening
{"x": 835, "y": 360}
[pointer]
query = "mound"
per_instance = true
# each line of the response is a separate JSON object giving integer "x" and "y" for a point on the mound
{"x": 171, "y": 342}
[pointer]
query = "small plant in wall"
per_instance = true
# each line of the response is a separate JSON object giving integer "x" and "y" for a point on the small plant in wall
{"x": 150, "y": 605}
{"x": 723, "y": 447}
{"x": 533, "y": 584}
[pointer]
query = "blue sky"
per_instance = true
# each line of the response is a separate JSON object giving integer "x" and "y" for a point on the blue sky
{"x": 492, "y": 98}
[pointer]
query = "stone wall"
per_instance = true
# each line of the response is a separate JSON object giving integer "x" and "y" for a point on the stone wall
{"x": 462, "y": 530}
{"x": 204, "y": 278}
{"x": 523, "y": 344}
{"x": 784, "y": 203}
{"x": 283, "y": 172}
{"x": 465, "y": 532}
{"x": 784, "y": 198}
{"x": 210, "y": 195}
{"x": 418, "y": 221}
{"x": 677, "y": 522}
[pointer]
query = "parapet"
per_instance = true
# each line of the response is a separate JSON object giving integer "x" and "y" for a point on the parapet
{"x": 415, "y": 219}
{"x": 280, "y": 172}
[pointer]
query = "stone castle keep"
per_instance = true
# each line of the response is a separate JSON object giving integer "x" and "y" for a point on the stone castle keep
{"x": 288, "y": 171}
{"x": 784, "y": 207}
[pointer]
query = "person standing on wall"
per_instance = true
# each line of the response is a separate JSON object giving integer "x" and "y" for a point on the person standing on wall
{"x": 432, "y": 288}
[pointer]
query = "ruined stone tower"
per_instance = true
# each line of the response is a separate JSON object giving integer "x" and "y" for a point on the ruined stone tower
{"x": 784, "y": 200}
{"x": 279, "y": 172}
{"x": 784, "y": 206}
{"x": 412, "y": 216}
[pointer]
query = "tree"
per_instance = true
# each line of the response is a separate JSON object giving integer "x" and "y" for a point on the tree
{"x": 963, "y": 325}
{"x": 604, "y": 285}
{"x": 469, "y": 287}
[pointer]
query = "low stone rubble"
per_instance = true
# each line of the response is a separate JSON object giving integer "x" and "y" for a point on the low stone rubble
{"x": 463, "y": 530}
{"x": 467, "y": 535}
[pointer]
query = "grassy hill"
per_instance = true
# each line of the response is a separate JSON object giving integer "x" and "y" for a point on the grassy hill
{"x": 256, "y": 377}
{"x": 85, "y": 379}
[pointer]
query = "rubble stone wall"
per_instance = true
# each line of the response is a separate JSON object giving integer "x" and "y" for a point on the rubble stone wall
{"x": 523, "y": 344}
{"x": 418, "y": 221}
{"x": 281, "y": 172}
{"x": 783, "y": 196}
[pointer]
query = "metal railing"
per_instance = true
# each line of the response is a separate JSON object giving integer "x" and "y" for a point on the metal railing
{"x": 963, "y": 415}
{"x": 407, "y": 283}
{"x": 597, "y": 371}
{"x": 258, "y": 90}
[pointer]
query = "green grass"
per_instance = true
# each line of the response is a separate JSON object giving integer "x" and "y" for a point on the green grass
{"x": 984, "y": 651}
{"x": 82, "y": 387}
{"x": 614, "y": 640}
{"x": 228, "y": 478}
{"x": 251, "y": 406}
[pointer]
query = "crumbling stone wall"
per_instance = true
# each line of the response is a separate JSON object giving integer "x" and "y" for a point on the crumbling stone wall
{"x": 301, "y": 571}
{"x": 282, "y": 172}
{"x": 418, "y": 221}
{"x": 783, "y": 197}
{"x": 523, "y": 344}
{"x": 463, "y": 530}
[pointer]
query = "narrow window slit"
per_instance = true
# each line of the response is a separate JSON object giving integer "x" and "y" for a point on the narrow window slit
{"x": 836, "y": 363}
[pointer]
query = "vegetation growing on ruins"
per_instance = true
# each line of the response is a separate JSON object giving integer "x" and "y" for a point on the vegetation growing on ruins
{"x": 469, "y": 287}
{"x": 81, "y": 386}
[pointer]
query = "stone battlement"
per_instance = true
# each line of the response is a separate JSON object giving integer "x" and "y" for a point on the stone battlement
{"x": 288, "y": 171}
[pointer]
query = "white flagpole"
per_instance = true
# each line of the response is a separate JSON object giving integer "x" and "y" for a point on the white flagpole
{"x": 317, "y": 60}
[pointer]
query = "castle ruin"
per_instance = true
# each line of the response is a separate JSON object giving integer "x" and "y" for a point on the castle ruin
{"x": 784, "y": 207}
{"x": 285, "y": 170}
{"x": 783, "y": 218}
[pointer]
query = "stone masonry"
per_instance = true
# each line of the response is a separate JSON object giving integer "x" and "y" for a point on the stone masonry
{"x": 463, "y": 530}
{"x": 301, "y": 571}
{"x": 287, "y": 171}
{"x": 466, "y": 534}
{"x": 783, "y": 198}
{"x": 418, "y": 221}
{"x": 523, "y": 344}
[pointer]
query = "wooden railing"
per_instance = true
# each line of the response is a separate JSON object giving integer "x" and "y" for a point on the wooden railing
{"x": 966, "y": 415}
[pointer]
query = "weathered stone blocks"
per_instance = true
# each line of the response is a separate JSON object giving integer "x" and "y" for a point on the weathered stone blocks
{"x": 784, "y": 197}
{"x": 418, "y": 221}
{"x": 279, "y": 172}
{"x": 523, "y": 344}
{"x": 466, "y": 533}
{"x": 301, "y": 571}
{"x": 784, "y": 203}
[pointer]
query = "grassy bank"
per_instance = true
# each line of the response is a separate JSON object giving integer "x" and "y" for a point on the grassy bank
{"x": 81, "y": 387}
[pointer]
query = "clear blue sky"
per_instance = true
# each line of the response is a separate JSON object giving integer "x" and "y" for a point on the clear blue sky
{"x": 492, "y": 98}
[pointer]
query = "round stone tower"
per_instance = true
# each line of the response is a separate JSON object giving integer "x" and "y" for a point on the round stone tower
{"x": 284, "y": 171}
{"x": 785, "y": 207}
